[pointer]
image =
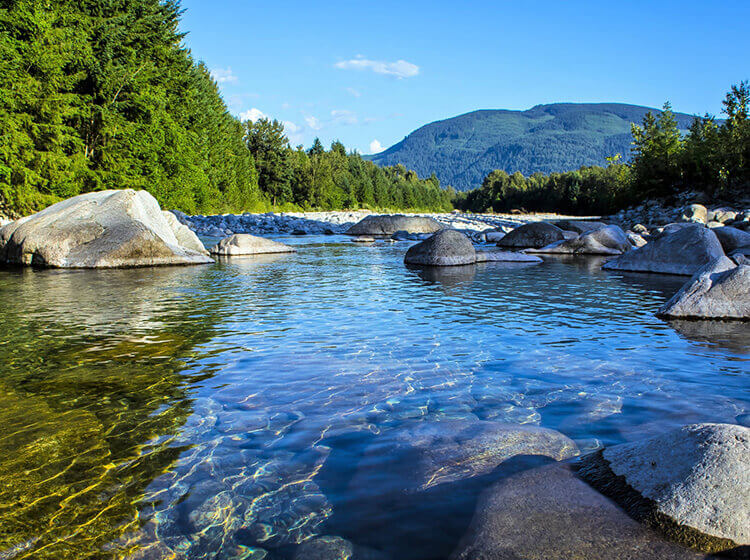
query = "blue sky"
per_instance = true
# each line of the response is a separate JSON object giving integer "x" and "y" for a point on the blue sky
{"x": 368, "y": 73}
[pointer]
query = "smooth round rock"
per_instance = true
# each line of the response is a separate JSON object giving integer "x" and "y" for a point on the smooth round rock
{"x": 390, "y": 224}
{"x": 241, "y": 244}
{"x": 721, "y": 290}
{"x": 684, "y": 249}
{"x": 104, "y": 229}
{"x": 692, "y": 483}
{"x": 579, "y": 226}
{"x": 447, "y": 247}
{"x": 534, "y": 235}
{"x": 606, "y": 240}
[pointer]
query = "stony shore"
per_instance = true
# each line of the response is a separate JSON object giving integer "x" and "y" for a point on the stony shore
{"x": 304, "y": 223}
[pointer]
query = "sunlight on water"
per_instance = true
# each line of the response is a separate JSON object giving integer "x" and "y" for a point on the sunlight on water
{"x": 236, "y": 410}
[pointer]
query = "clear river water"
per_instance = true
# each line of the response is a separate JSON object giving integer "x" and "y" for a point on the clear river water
{"x": 226, "y": 411}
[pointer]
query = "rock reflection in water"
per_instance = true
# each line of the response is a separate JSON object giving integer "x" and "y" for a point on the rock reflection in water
{"x": 730, "y": 335}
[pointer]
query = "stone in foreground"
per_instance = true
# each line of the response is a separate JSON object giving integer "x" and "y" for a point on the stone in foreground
{"x": 721, "y": 290}
{"x": 105, "y": 229}
{"x": 447, "y": 247}
{"x": 692, "y": 483}
{"x": 241, "y": 244}
{"x": 684, "y": 250}
{"x": 534, "y": 235}
{"x": 548, "y": 513}
{"x": 388, "y": 225}
{"x": 606, "y": 240}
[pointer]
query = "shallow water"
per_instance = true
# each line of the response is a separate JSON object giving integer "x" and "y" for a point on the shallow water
{"x": 224, "y": 411}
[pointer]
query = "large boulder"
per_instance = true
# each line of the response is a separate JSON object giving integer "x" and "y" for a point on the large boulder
{"x": 682, "y": 250}
{"x": 535, "y": 235}
{"x": 606, "y": 240}
{"x": 579, "y": 226}
{"x": 105, "y": 229}
{"x": 548, "y": 513}
{"x": 245, "y": 244}
{"x": 692, "y": 483}
{"x": 732, "y": 238}
{"x": 388, "y": 225}
{"x": 720, "y": 290}
{"x": 447, "y": 247}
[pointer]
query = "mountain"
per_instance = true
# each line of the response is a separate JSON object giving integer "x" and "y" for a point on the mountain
{"x": 462, "y": 150}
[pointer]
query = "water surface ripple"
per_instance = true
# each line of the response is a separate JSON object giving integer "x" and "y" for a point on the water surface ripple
{"x": 222, "y": 411}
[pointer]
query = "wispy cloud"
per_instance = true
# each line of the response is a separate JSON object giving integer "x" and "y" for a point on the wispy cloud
{"x": 252, "y": 115}
{"x": 313, "y": 123}
{"x": 223, "y": 75}
{"x": 344, "y": 116}
{"x": 376, "y": 147}
{"x": 294, "y": 132}
{"x": 354, "y": 92}
{"x": 400, "y": 68}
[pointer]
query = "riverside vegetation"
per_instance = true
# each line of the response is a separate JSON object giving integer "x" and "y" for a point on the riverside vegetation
{"x": 96, "y": 96}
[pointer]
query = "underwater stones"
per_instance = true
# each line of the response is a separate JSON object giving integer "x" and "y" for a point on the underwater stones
{"x": 447, "y": 247}
{"x": 692, "y": 483}
{"x": 390, "y": 224}
{"x": 732, "y": 239}
{"x": 534, "y": 235}
{"x": 682, "y": 250}
{"x": 605, "y": 240}
{"x": 547, "y": 512}
{"x": 241, "y": 244}
{"x": 430, "y": 454}
{"x": 105, "y": 229}
{"x": 721, "y": 290}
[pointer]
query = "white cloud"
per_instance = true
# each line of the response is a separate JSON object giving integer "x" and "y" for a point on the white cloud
{"x": 223, "y": 75}
{"x": 376, "y": 147}
{"x": 313, "y": 123}
{"x": 354, "y": 92}
{"x": 399, "y": 69}
{"x": 294, "y": 132}
{"x": 252, "y": 115}
{"x": 343, "y": 116}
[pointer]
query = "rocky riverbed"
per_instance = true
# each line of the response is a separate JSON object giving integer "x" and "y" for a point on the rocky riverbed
{"x": 303, "y": 223}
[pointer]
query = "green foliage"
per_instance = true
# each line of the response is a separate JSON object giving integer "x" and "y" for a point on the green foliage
{"x": 710, "y": 158}
{"x": 462, "y": 150}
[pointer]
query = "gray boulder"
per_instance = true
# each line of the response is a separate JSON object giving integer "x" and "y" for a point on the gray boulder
{"x": 447, "y": 247}
{"x": 494, "y": 236}
{"x": 684, "y": 250}
{"x": 390, "y": 224}
{"x": 105, "y": 229}
{"x": 732, "y": 238}
{"x": 241, "y": 244}
{"x": 720, "y": 290}
{"x": 535, "y": 235}
{"x": 606, "y": 240}
{"x": 548, "y": 513}
{"x": 695, "y": 213}
{"x": 692, "y": 483}
{"x": 579, "y": 226}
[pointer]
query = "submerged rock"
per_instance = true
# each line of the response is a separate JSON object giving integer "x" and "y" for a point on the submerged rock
{"x": 682, "y": 250}
{"x": 535, "y": 235}
{"x": 105, "y": 229}
{"x": 245, "y": 244}
{"x": 606, "y": 240}
{"x": 447, "y": 247}
{"x": 388, "y": 225}
{"x": 548, "y": 513}
{"x": 335, "y": 548}
{"x": 505, "y": 256}
{"x": 693, "y": 483}
{"x": 721, "y": 290}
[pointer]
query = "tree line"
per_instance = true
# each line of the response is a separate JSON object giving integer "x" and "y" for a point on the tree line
{"x": 713, "y": 158}
{"x": 103, "y": 94}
